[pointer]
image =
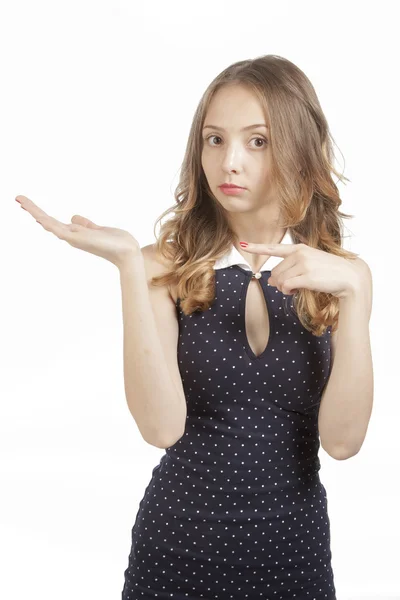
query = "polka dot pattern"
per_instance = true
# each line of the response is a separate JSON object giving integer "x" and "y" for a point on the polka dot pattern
{"x": 235, "y": 509}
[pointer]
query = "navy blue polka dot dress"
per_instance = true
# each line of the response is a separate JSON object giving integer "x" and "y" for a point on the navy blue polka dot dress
{"x": 236, "y": 510}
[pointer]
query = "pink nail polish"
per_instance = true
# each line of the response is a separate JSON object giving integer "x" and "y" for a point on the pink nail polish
{"x": 243, "y": 244}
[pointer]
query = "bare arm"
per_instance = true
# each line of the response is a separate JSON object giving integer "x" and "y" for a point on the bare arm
{"x": 153, "y": 385}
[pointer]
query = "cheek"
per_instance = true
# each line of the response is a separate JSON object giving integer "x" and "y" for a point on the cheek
{"x": 207, "y": 165}
{"x": 265, "y": 179}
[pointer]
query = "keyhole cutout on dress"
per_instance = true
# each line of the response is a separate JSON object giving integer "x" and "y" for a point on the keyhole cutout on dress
{"x": 257, "y": 324}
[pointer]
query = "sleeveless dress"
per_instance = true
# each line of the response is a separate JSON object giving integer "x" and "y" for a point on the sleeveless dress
{"x": 235, "y": 509}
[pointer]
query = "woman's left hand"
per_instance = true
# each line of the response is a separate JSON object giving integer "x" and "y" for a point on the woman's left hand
{"x": 310, "y": 268}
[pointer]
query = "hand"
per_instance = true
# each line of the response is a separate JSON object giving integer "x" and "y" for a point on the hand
{"x": 115, "y": 245}
{"x": 309, "y": 268}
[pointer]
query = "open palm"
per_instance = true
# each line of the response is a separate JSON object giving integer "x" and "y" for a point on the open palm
{"x": 115, "y": 245}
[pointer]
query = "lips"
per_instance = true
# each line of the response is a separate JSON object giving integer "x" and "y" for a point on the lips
{"x": 231, "y": 185}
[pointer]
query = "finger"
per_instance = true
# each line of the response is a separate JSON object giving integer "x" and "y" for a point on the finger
{"x": 270, "y": 249}
{"x": 293, "y": 285}
{"x": 49, "y": 223}
{"x": 84, "y": 222}
{"x": 62, "y": 230}
{"x": 281, "y": 278}
{"x": 285, "y": 266}
{"x": 31, "y": 207}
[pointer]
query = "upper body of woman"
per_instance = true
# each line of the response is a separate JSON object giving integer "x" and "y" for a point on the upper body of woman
{"x": 260, "y": 126}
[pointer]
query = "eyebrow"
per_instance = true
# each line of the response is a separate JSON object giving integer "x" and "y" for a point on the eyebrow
{"x": 244, "y": 128}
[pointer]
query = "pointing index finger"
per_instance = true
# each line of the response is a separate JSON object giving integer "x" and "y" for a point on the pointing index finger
{"x": 271, "y": 249}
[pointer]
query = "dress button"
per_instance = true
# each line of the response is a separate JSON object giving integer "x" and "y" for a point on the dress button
{"x": 257, "y": 275}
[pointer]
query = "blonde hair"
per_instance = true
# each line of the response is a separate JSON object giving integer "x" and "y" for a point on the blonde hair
{"x": 302, "y": 165}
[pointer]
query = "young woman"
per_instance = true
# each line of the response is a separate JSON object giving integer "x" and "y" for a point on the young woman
{"x": 234, "y": 361}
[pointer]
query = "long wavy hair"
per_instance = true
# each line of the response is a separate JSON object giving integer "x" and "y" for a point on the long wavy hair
{"x": 302, "y": 155}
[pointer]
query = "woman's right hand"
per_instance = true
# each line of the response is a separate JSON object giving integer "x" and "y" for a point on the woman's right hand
{"x": 115, "y": 245}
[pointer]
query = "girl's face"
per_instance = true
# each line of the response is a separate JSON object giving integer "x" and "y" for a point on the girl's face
{"x": 236, "y": 149}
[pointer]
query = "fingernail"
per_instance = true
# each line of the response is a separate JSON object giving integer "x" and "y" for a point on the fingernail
{"x": 17, "y": 200}
{"x": 243, "y": 244}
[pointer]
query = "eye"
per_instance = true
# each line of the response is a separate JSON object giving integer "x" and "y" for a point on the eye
{"x": 255, "y": 138}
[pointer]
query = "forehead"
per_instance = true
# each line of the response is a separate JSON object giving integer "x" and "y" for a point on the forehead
{"x": 234, "y": 107}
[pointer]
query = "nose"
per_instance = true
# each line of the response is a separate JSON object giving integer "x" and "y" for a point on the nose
{"x": 232, "y": 160}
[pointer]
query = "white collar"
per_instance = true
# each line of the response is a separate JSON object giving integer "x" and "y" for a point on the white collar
{"x": 233, "y": 257}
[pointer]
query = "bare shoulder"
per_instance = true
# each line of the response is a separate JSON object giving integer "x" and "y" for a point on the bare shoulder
{"x": 367, "y": 282}
{"x": 365, "y": 274}
{"x": 156, "y": 265}
{"x": 363, "y": 267}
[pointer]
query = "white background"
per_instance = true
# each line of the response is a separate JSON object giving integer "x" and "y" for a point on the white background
{"x": 97, "y": 99}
